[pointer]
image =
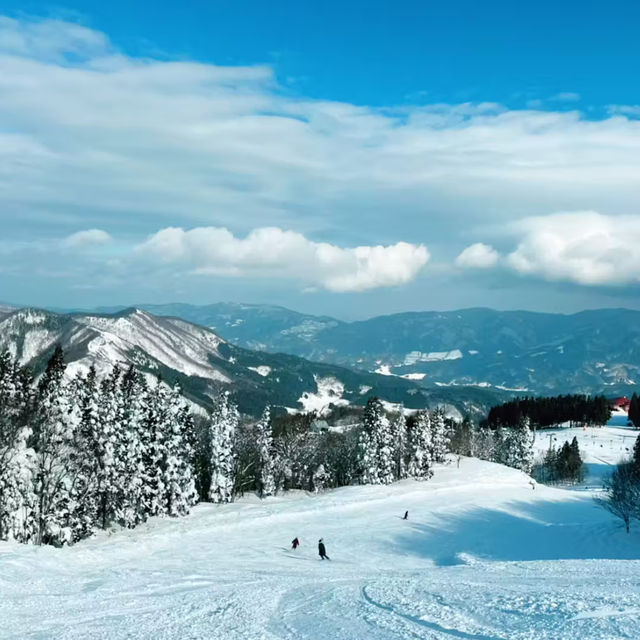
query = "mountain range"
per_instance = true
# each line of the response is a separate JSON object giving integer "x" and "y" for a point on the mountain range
{"x": 514, "y": 351}
{"x": 202, "y": 362}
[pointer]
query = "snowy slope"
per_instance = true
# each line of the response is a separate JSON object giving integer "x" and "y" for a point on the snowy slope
{"x": 482, "y": 557}
{"x": 601, "y": 447}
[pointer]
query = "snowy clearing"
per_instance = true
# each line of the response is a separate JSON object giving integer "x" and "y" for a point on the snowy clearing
{"x": 601, "y": 447}
{"x": 482, "y": 557}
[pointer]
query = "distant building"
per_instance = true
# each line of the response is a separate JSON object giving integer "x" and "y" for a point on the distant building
{"x": 620, "y": 403}
{"x": 319, "y": 425}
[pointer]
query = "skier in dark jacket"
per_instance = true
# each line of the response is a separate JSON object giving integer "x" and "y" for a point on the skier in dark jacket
{"x": 295, "y": 543}
{"x": 406, "y": 515}
{"x": 322, "y": 551}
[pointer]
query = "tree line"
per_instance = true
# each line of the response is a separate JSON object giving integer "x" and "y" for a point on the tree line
{"x": 87, "y": 452}
{"x": 548, "y": 411}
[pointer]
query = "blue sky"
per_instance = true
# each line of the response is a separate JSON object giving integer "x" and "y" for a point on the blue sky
{"x": 377, "y": 52}
{"x": 346, "y": 158}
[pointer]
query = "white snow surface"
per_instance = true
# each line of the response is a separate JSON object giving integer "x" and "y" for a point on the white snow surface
{"x": 262, "y": 370}
{"x": 433, "y": 356}
{"x": 481, "y": 557}
{"x": 173, "y": 342}
{"x": 329, "y": 391}
{"x": 601, "y": 448}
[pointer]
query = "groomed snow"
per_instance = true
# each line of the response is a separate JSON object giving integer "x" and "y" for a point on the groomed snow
{"x": 481, "y": 557}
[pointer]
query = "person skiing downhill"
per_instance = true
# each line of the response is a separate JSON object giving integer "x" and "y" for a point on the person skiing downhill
{"x": 406, "y": 515}
{"x": 322, "y": 551}
{"x": 295, "y": 543}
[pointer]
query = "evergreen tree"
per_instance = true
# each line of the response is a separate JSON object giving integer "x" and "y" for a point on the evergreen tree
{"x": 420, "y": 446}
{"x": 386, "y": 446}
{"x": 129, "y": 450}
{"x": 107, "y": 436}
{"x": 401, "y": 447}
{"x": 179, "y": 483}
{"x": 320, "y": 479}
{"x": 17, "y": 501}
{"x": 634, "y": 410}
{"x": 515, "y": 447}
{"x": 375, "y": 445}
{"x": 461, "y": 442}
{"x": 84, "y": 456}
{"x": 223, "y": 425}
{"x": 264, "y": 440}
{"x": 440, "y": 437}
{"x": 635, "y": 463}
{"x": 50, "y": 439}
{"x": 152, "y": 421}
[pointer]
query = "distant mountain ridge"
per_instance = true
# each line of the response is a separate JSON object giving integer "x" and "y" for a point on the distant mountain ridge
{"x": 520, "y": 351}
{"x": 203, "y": 362}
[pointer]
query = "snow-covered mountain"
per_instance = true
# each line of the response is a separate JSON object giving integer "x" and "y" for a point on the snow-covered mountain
{"x": 202, "y": 362}
{"x": 592, "y": 351}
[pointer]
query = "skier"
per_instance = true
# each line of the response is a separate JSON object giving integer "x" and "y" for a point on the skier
{"x": 322, "y": 551}
{"x": 295, "y": 543}
{"x": 406, "y": 515}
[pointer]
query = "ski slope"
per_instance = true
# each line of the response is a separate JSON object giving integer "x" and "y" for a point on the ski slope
{"x": 601, "y": 447}
{"x": 482, "y": 557}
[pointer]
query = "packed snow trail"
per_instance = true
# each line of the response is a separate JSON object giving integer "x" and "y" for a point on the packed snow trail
{"x": 481, "y": 557}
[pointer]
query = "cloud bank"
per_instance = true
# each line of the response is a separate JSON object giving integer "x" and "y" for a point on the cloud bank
{"x": 241, "y": 175}
{"x": 477, "y": 256}
{"x": 273, "y": 252}
{"x": 584, "y": 247}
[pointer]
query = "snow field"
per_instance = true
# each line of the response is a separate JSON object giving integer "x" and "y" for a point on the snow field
{"x": 482, "y": 556}
{"x": 601, "y": 447}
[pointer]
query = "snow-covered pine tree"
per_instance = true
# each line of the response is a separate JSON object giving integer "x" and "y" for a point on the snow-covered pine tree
{"x": 386, "y": 448}
{"x": 439, "y": 437}
{"x": 400, "y": 444}
{"x": 84, "y": 467}
{"x": 223, "y": 423}
{"x": 51, "y": 440}
{"x": 129, "y": 449}
{"x": 368, "y": 442}
{"x": 483, "y": 443}
{"x": 109, "y": 431}
{"x": 320, "y": 479}
{"x": 420, "y": 446}
{"x": 179, "y": 482}
{"x": 266, "y": 462}
{"x": 17, "y": 499}
{"x": 514, "y": 447}
{"x": 152, "y": 420}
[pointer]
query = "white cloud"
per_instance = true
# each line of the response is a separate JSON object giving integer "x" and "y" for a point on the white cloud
{"x": 629, "y": 110}
{"x": 273, "y": 252}
{"x": 90, "y": 237}
{"x": 52, "y": 39}
{"x": 477, "y": 256}
{"x": 133, "y": 140}
{"x": 586, "y": 248}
